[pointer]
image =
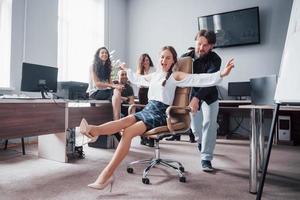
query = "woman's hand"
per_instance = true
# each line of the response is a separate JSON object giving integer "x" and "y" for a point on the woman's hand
{"x": 227, "y": 69}
{"x": 118, "y": 86}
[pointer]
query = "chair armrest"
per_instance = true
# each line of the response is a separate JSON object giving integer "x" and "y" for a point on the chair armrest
{"x": 132, "y": 106}
{"x": 168, "y": 113}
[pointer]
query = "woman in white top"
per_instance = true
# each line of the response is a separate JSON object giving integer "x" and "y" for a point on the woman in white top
{"x": 145, "y": 66}
{"x": 101, "y": 86}
{"x": 162, "y": 85}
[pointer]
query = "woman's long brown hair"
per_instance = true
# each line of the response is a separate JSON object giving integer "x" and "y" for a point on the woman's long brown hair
{"x": 140, "y": 67}
{"x": 174, "y": 54}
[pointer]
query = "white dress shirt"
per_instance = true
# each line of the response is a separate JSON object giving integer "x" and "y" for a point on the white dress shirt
{"x": 165, "y": 94}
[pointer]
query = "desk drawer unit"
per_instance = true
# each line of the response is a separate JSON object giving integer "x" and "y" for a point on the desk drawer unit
{"x": 94, "y": 115}
{"x": 31, "y": 119}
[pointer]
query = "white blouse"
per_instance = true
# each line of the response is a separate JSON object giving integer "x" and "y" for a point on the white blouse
{"x": 165, "y": 94}
{"x": 92, "y": 85}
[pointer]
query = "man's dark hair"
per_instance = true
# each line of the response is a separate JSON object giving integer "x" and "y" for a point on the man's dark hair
{"x": 209, "y": 35}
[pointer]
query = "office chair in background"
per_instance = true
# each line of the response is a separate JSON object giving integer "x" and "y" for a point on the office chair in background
{"x": 178, "y": 121}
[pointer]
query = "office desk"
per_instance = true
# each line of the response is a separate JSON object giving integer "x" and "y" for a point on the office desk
{"x": 49, "y": 119}
{"x": 257, "y": 139}
{"x": 98, "y": 114}
{"x": 35, "y": 117}
{"x": 22, "y": 118}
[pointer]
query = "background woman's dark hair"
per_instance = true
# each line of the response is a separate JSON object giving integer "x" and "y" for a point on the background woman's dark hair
{"x": 174, "y": 54}
{"x": 102, "y": 70}
{"x": 209, "y": 35}
{"x": 140, "y": 67}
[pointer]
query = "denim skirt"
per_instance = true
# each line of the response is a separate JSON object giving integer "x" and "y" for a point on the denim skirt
{"x": 153, "y": 115}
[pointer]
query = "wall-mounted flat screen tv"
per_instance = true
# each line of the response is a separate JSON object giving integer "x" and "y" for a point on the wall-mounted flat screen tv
{"x": 234, "y": 28}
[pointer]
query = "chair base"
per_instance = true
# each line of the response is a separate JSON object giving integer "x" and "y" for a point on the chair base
{"x": 151, "y": 163}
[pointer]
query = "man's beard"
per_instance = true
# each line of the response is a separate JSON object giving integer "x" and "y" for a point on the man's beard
{"x": 203, "y": 54}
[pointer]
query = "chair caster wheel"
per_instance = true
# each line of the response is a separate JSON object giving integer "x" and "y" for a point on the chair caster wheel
{"x": 146, "y": 181}
{"x": 181, "y": 169}
{"x": 182, "y": 179}
{"x": 129, "y": 170}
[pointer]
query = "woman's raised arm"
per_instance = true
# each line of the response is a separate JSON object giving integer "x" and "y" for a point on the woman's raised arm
{"x": 136, "y": 79}
{"x": 202, "y": 80}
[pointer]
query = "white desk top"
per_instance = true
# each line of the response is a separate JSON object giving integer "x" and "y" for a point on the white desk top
{"x": 31, "y": 100}
{"x": 270, "y": 107}
{"x": 85, "y": 103}
{"x": 235, "y": 101}
{"x": 250, "y": 106}
{"x": 35, "y": 100}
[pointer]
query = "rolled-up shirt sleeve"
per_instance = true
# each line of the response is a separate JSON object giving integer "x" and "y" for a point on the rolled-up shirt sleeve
{"x": 199, "y": 80}
{"x": 136, "y": 79}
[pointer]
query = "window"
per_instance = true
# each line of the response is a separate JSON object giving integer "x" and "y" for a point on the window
{"x": 5, "y": 41}
{"x": 80, "y": 34}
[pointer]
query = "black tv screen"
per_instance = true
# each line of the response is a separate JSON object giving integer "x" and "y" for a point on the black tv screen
{"x": 234, "y": 28}
{"x": 37, "y": 78}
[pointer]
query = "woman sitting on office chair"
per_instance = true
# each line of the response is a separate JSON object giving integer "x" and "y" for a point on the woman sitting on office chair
{"x": 162, "y": 85}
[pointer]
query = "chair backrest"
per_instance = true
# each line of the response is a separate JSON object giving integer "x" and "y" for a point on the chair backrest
{"x": 180, "y": 118}
{"x": 182, "y": 95}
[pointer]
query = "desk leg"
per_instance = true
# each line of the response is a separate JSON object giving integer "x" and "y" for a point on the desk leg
{"x": 253, "y": 155}
{"x": 261, "y": 139}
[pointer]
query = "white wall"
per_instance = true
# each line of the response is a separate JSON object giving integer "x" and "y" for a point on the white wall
{"x": 154, "y": 23}
{"x": 41, "y": 32}
{"x": 117, "y": 25}
{"x": 17, "y": 40}
{"x": 36, "y": 20}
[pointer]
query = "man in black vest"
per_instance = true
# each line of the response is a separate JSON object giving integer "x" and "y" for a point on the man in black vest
{"x": 204, "y": 101}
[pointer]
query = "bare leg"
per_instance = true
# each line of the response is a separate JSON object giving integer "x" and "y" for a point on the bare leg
{"x": 122, "y": 150}
{"x": 116, "y": 104}
{"x": 112, "y": 127}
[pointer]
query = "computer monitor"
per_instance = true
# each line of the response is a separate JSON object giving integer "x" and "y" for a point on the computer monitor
{"x": 38, "y": 78}
{"x": 239, "y": 89}
{"x": 263, "y": 90}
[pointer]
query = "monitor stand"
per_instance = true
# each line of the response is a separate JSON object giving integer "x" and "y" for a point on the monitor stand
{"x": 44, "y": 91}
{"x": 43, "y": 94}
{"x": 241, "y": 98}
